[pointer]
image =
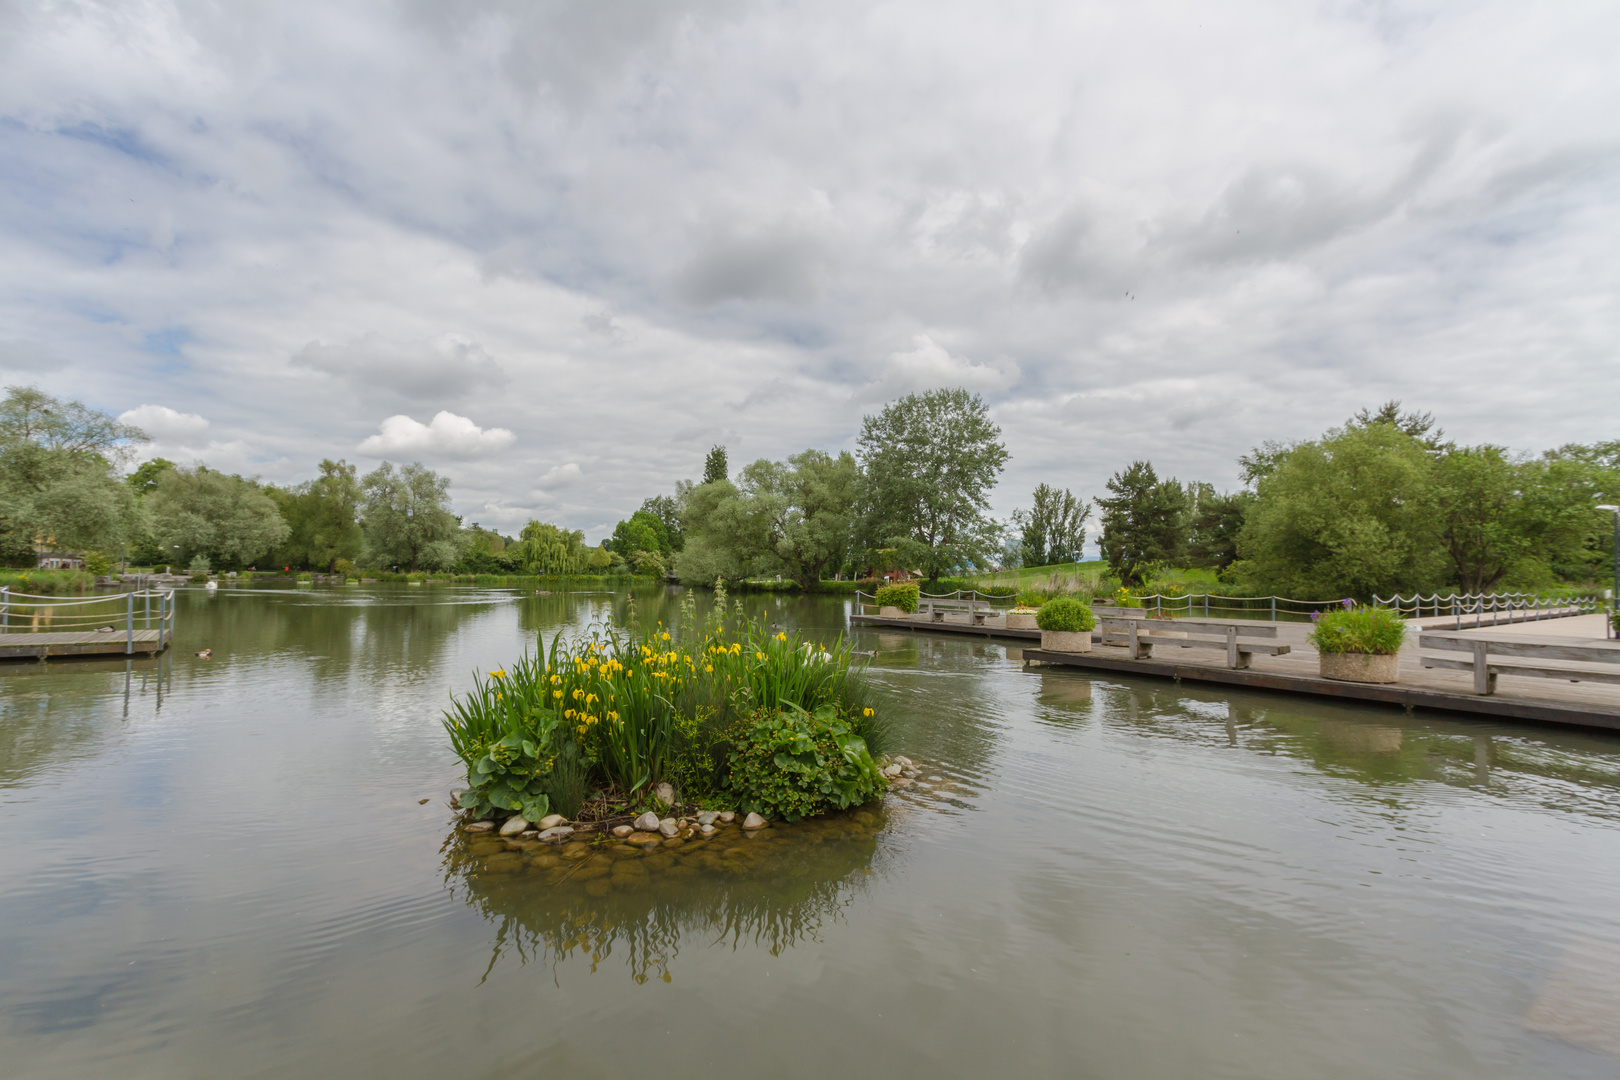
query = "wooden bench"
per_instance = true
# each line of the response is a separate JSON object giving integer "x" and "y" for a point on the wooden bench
{"x": 935, "y": 610}
{"x": 1486, "y": 668}
{"x": 1236, "y": 637}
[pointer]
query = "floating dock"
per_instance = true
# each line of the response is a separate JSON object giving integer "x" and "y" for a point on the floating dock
{"x": 25, "y": 646}
{"x": 1533, "y": 700}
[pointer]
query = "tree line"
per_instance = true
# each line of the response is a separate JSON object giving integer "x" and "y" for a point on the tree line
{"x": 1382, "y": 503}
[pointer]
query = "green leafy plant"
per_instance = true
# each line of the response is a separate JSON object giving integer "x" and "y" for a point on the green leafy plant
{"x": 790, "y": 763}
{"x": 1067, "y": 615}
{"x": 509, "y": 742}
{"x": 1123, "y": 598}
{"x": 96, "y": 563}
{"x": 628, "y": 711}
{"x": 903, "y": 597}
{"x": 1029, "y": 598}
{"x": 1379, "y": 631}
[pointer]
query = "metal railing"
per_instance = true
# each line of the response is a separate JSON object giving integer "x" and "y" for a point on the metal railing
{"x": 23, "y": 613}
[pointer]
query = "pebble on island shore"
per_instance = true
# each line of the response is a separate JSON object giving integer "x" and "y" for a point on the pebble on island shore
{"x": 754, "y": 821}
{"x": 647, "y": 822}
{"x": 514, "y": 825}
{"x": 622, "y": 831}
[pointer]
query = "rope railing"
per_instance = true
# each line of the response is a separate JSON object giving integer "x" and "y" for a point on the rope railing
{"x": 1516, "y": 606}
{"x": 25, "y": 613}
{"x": 1471, "y": 608}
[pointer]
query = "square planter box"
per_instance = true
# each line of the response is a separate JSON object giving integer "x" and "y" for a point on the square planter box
{"x": 1359, "y": 667}
{"x": 1066, "y": 640}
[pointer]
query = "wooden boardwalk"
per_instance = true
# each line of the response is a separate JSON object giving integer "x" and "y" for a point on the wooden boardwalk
{"x": 1536, "y": 700}
{"x": 37, "y": 646}
{"x": 946, "y": 627}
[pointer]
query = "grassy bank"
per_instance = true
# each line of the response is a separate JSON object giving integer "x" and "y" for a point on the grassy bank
{"x": 47, "y": 582}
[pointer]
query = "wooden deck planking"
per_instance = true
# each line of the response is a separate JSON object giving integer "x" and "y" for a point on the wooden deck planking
{"x": 946, "y": 627}
{"x": 1537, "y": 700}
{"x": 1550, "y": 702}
{"x": 81, "y": 643}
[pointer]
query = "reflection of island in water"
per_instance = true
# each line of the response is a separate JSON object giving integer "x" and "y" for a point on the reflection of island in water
{"x": 770, "y": 889}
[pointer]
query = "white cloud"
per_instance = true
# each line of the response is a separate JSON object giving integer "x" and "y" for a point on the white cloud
{"x": 927, "y": 365}
{"x": 561, "y": 475}
{"x": 448, "y": 435}
{"x": 164, "y": 423}
{"x": 618, "y": 233}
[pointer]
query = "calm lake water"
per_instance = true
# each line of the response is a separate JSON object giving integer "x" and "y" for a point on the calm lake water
{"x": 221, "y": 867}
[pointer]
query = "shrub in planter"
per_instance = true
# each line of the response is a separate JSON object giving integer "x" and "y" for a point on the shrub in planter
{"x": 1066, "y": 624}
{"x": 903, "y": 597}
{"x": 789, "y": 764}
{"x": 1359, "y": 644}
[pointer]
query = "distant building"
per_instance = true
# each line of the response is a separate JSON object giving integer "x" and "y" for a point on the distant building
{"x": 61, "y": 560}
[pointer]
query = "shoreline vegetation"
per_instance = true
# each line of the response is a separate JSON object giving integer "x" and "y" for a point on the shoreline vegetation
{"x": 1382, "y": 504}
{"x": 669, "y": 730}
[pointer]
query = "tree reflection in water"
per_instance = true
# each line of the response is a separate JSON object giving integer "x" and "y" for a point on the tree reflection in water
{"x": 588, "y": 900}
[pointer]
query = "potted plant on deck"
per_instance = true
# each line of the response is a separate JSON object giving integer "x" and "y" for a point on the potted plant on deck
{"x": 897, "y": 601}
{"x": 1359, "y": 644}
{"x": 1022, "y": 617}
{"x": 1066, "y": 624}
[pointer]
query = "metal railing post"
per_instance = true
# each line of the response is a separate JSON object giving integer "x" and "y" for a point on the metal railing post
{"x": 5, "y": 606}
{"x": 1273, "y": 609}
{"x": 129, "y": 625}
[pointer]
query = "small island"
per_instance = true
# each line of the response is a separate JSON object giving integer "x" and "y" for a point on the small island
{"x": 670, "y": 734}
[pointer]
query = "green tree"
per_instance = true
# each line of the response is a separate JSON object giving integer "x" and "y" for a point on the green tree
{"x": 1595, "y": 471}
{"x": 1351, "y": 514}
{"x": 724, "y": 538}
{"x": 549, "y": 550}
{"x": 407, "y": 518}
{"x": 1214, "y": 523}
{"x": 714, "y": 466}
{"x": 1143, "y": 522}
{"x": 1053, "y": 530}
{"x": 58, "y": 482}
{"x": 323, "y": 515}
{"x": 643, "y": 531}
{"x": 668, "y": 512}
{"x": 930, "y": 461}
{"x": 226, "y": 519}
{"x": 145, "y": 477}
{"x": 803, "y": 512}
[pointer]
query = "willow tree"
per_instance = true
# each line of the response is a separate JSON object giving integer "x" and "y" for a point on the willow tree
{"x": 551, "y": 551}
{"x": 408, "y": 520}
{"x": 58, "y": 476}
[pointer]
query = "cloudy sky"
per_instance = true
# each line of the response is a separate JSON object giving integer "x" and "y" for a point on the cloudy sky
{"x": 557, "y": 248}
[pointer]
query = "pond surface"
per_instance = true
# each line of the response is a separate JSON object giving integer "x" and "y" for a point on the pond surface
{"x": 224, "y": 867}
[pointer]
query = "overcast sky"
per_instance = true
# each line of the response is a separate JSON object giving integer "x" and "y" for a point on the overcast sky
{"x": 558, "y": 249}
